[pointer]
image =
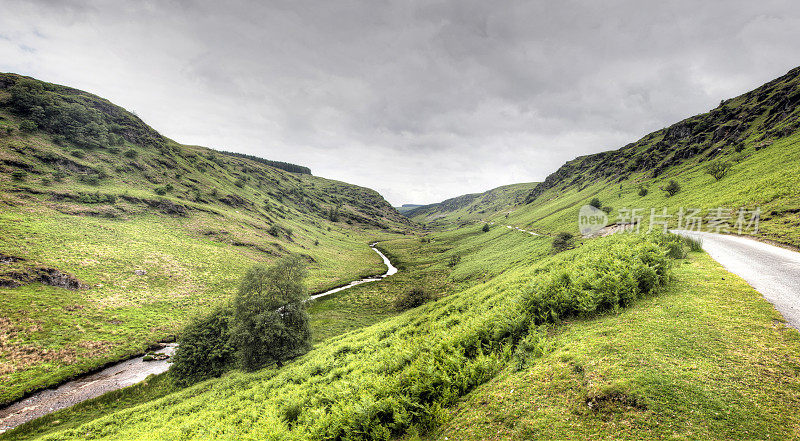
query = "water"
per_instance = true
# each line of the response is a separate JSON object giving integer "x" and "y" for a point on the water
{"x": 120, "y": 375}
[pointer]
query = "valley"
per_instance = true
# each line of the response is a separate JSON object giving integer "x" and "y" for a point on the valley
{"x": 520, "y": 329}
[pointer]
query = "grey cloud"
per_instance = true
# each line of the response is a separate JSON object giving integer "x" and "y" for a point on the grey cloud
{"x": 419, "y": 100}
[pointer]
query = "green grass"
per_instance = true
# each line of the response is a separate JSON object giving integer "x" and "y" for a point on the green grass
{"x": 91, "y": 209}
{"x": 369, "y": 383}
{"x": 707, "y": 359}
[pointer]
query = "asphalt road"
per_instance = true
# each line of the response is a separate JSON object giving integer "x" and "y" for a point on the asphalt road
{"x": 771, "y": 270}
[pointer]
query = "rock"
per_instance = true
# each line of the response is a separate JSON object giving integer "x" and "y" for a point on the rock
{"x": 140, "y": 272}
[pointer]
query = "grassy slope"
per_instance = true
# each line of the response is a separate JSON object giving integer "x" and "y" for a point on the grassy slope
{"x": 708, "y": 359}
{"x": 222, "y": 214}
{"x": 470, "y": 208}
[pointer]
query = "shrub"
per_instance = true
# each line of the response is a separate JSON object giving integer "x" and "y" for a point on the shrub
{"x": 718, "y": 169}
{"x": 275, "y": 230}
{"x": 485, "y": 228}
{"x": 412, "y": 298}
{"x": 607, "y": 210}
{"x": 28, "y": 126}
{"x": 671, "y": 188}
{"x": 90, "y": 179}
{"x": 18, "y": 175}
{"x": 78, "y": 154}
{"x": 454, "y": 260}
{"x": 643, "y": 191}
{"x": 9, "y": 130}
{"x": 563, "y": 241}
{"x": 270, "y": 323}
{"x": 162, "y": 190}
{"x": 130, "y": 153}
{"x": 204, "y": 350}
{"x": 59, "y": 175}
{"x": 595, "y": 202}
{"x": 45, "y": 181}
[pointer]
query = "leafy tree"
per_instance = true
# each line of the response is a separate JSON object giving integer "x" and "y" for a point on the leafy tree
{"x": 485, "y": 228}
{"x": 270, "y": 323}
{"x": 718, "y": 169}
{"x": 595, "y": 202}
{"x": 204, "y": 350}
{"x": 563, "y": 241}
{"x": 671, "y": 188}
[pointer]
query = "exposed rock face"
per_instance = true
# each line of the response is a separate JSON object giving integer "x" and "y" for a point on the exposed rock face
{"x": 19, "y": 273}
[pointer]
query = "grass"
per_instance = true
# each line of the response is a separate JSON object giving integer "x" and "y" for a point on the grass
{"x": 707, "y": 359}
{"x": 92, "y": 209}
{"x": 370, "y": 383}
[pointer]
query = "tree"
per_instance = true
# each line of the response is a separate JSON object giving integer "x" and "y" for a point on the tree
{"x": 595, "y": 202}
{"x": 643, "y": 191}
{"x": 672, "y": 188}
{"x": 718, "y": 169}
{"x": 563, "y": 241}
{"x": 204, "y": 350}
{"x": 485, "y": 228}
{"x": 270, "y": 323}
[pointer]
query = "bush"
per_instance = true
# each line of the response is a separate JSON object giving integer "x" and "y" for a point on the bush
{"x": 80, "y": 154}
{"x": 204, "y": 350}
{"x": 607, "y": 210}
{"x": 718, "y": 169}
{"x": 412, "y": 298}
{"x": 18, "y": 175}
{"x": 130, "y": 153}
{"x": 161, "y": 191}
{"x": 28, "y": 126}
{"x": 672, "y": 188}
{"x": 595, "y": 202}
{"x": 643, "y": 191}
{"x": 485, "y": 228}
{"x": 90, "y": 179}
{"x": 59, "y": 175}
{"x": 46, "y": 181}
{"x": 563, "y": 241}
{"x": 270, "y": 322}
{"x": 275, "y": 230}
{"x": 454, "y": 260}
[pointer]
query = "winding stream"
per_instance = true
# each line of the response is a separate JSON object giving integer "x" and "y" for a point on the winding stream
{"x": 119, "y": 375}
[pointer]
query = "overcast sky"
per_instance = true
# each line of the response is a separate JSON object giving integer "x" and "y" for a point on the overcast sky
{"x": 419, "y": 100}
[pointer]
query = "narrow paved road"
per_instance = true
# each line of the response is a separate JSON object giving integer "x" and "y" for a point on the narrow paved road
{"x": 771, "y": 270}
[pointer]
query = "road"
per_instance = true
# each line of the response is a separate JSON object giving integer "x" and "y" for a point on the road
{"x": 771, "y": 270}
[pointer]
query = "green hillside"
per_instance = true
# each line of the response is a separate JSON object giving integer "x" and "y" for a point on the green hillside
{"x": 149, "y": 230}
{"x": 625, "y": 336}
{"x": 753, "y": 138}
{"x": 470, "y": 208}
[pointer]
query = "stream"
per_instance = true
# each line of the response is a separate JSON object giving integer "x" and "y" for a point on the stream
{"x": 119, "y": 375}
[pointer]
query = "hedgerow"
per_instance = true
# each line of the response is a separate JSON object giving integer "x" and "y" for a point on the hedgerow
{"x": 380, "y": 382}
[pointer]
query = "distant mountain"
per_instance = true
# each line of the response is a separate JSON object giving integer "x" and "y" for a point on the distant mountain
{"x": 470, "y": 208}
{"x": 405, "y": 208}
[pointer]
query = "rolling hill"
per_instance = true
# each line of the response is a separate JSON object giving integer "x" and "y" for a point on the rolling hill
{"x": 470, "y": 208}
{"x": 111, "y": 234}
{"x": 623, "y": 336}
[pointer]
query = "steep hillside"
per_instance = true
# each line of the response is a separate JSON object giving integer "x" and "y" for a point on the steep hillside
{"x": 469, "y": 208}
{"x": 751, "y": 140}
{"x": 111, "y": 234}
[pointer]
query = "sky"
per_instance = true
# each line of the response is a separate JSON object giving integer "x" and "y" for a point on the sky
{"x": 419, "y": 100}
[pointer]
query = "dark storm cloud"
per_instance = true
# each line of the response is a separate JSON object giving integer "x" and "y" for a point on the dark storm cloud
{"x": 419, "y": 100}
